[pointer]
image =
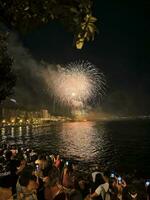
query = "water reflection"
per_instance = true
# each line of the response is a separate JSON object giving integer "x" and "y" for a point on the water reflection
{"x": 27, "y": 130}
{"x": 79, "y": 140}
{"x": 20, "y": 131}
{"x": 3, "y": 131}
{"x": 12, "y": 132}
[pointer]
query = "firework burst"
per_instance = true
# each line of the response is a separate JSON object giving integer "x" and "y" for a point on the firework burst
{"x": 77, "y": 84}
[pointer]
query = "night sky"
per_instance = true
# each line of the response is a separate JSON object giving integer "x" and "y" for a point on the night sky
{"x": 120, "y": 50}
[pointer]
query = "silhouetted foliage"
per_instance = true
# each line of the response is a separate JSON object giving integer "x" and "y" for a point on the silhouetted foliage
{"x": 7, "y": 76}
{"x": 76, "y": 16}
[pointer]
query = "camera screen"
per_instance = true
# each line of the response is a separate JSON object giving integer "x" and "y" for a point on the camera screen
{"x": 119, "y": 179}
{"x": 67, "y": 162}
{"x": 37, "y": 167}
{"x": 147, "y": 183}
{"x": 112, "y": 175}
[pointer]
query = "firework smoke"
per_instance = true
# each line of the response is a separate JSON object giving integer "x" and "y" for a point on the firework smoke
{"x": 76, "y": 84}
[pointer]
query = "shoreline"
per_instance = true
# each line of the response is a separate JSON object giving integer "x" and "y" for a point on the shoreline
{"x": 49, "y": 123}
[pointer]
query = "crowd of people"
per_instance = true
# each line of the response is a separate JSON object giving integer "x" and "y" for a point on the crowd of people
{"x": 27, "y": 174}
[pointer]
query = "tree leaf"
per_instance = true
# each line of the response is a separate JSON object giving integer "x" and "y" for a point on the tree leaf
{"x": 79, "y": 43}
{"x": 93, "y": 19}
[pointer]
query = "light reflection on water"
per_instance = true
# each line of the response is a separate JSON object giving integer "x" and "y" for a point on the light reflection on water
{"x": 82, "y": 139}
{"x": 20, "y": 131}
{"x": 27, "y": 130}
{"x": 12, "y": 132}
{"x": 3, "y": 133}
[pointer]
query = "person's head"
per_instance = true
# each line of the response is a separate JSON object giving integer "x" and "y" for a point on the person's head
{"x": 27, "y": 180}
{"x": 8, "y": 155}
{"x": 28, "y": 169}
{"x": 106, "y": 176}
{"x": 42, "y": 157}
{"x": 53, "y": 176}
{"x": 99, "y": 180}
{"x": 24, "y": 178}
{"x": 112, "y": 183}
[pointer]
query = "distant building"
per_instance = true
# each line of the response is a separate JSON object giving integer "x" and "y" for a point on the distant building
{"x": 9, "y": 113}
{"x": 45, "y": 114}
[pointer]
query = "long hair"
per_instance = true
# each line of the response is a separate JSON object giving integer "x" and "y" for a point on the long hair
{"x": 98, "y": 181}
{"x": 53, "y": 176}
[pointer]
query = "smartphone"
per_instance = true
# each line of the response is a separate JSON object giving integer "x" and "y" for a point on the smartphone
{"x": 67, "y": 162}
{"x": 37, "y": 167}
{"x": 119, "y": 179}
{"x": 112, "y": 175}
{"x": 147, "y": 183}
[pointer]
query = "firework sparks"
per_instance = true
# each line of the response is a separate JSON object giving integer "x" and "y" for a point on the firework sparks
{"x": 77, "y": 84}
